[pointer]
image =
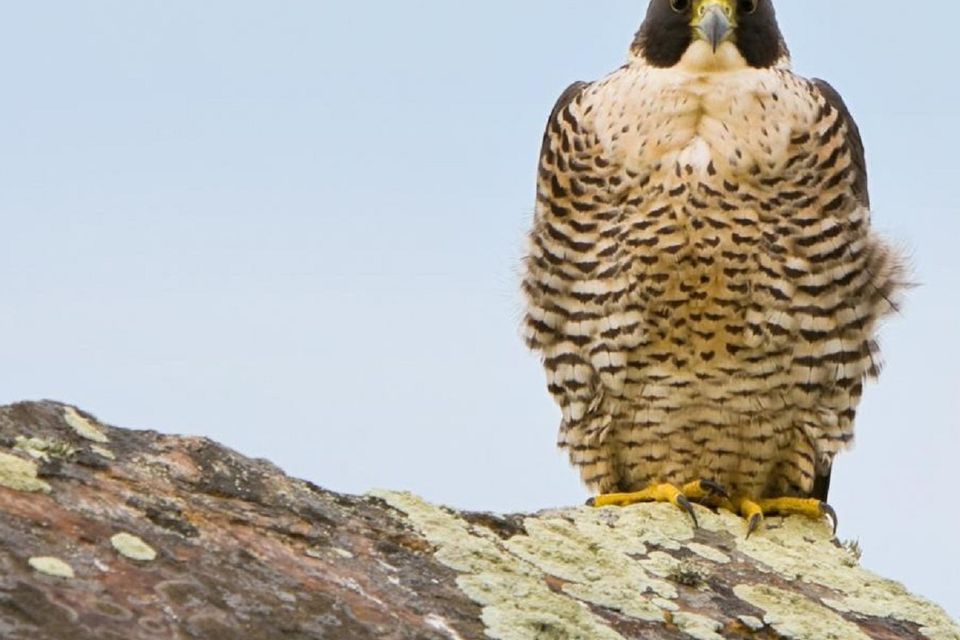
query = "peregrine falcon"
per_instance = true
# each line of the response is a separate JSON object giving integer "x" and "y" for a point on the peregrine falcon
{"x": 702, "y": 281}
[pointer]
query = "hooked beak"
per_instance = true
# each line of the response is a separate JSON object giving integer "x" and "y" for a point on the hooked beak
{"x": 714, "y": 22}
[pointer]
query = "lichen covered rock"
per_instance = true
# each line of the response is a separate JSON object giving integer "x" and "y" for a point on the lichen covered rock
{"x": 110, "y": 533}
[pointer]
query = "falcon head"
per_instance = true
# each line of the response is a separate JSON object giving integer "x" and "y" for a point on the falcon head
{"x": 711, "y": 34}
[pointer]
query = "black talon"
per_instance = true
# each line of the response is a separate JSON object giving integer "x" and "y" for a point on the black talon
{"x": 685, "y": 504}
{"x": 755, "y": 521}
{"x": 828, "y": 511}
{"x": 714, "y": 488}
{"x": 592, "y": 502}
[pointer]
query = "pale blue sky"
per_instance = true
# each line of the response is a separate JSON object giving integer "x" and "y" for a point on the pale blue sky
{"x": 294, "y": 226}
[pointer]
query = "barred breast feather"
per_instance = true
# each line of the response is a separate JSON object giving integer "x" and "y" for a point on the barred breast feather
{"x": 702, "y": 281}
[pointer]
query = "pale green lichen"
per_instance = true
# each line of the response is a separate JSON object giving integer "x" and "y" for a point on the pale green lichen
{"x": 597, "y": 568}
{"x": 20, "y": 475}
{"x": 697, "y": 626}
{"x": 795, "y": 616}
{"x": 51, "y": 566}
{"x": 688, "y": 574}
{"x": 655, "y": 524}
{"x": 103, "y": 452}
{"x": 84, "y": 427}
{"x": 41, "y": 449}
{"x": 854, "y": 551}
{"x": 752, "y": 623}
{"x": 536, "y": 584}
{"x": 132, "y": 547}
{"x": 664, "y": 566}
{"x": 517, "y": 602}
{"x": 801, "y": 549}
{"x": 668, "y": 606}
{"x": 709, "y": 553}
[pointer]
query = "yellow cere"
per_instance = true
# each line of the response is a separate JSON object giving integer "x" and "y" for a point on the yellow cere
{"x": 728, "y": 7}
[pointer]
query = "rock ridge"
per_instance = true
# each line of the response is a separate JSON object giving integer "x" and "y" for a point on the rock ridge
{"x": 111, "y": 533}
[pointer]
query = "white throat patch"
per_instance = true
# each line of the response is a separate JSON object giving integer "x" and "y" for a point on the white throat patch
{"x": 700, "y": 58}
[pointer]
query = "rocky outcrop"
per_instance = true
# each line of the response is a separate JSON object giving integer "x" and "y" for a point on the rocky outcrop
{"x": 108, "y": 533}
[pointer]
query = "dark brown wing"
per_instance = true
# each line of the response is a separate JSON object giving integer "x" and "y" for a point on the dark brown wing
{"x": 854, "y": 141}
{"x": 556, "y": 124}
{"x": 553, "y": 200}
{"x": 821, "y": 487}
{"x": 564, "y": 247}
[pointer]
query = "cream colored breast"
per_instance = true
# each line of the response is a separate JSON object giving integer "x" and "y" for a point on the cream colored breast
{"x": 742, "y": 118}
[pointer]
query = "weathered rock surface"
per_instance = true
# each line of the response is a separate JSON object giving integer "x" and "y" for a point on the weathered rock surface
{"x": 109, "y": 533}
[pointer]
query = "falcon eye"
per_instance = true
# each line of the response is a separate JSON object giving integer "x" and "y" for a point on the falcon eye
{"x": 748, "y": 6}
{"x": 680, "y": 6}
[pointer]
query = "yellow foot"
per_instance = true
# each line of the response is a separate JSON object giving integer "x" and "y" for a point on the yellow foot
{"x": 755, "y": 510}
{"x": 698, "y": 491}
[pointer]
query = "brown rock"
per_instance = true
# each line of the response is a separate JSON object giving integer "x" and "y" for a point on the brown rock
{"x": 110, "y": 533}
